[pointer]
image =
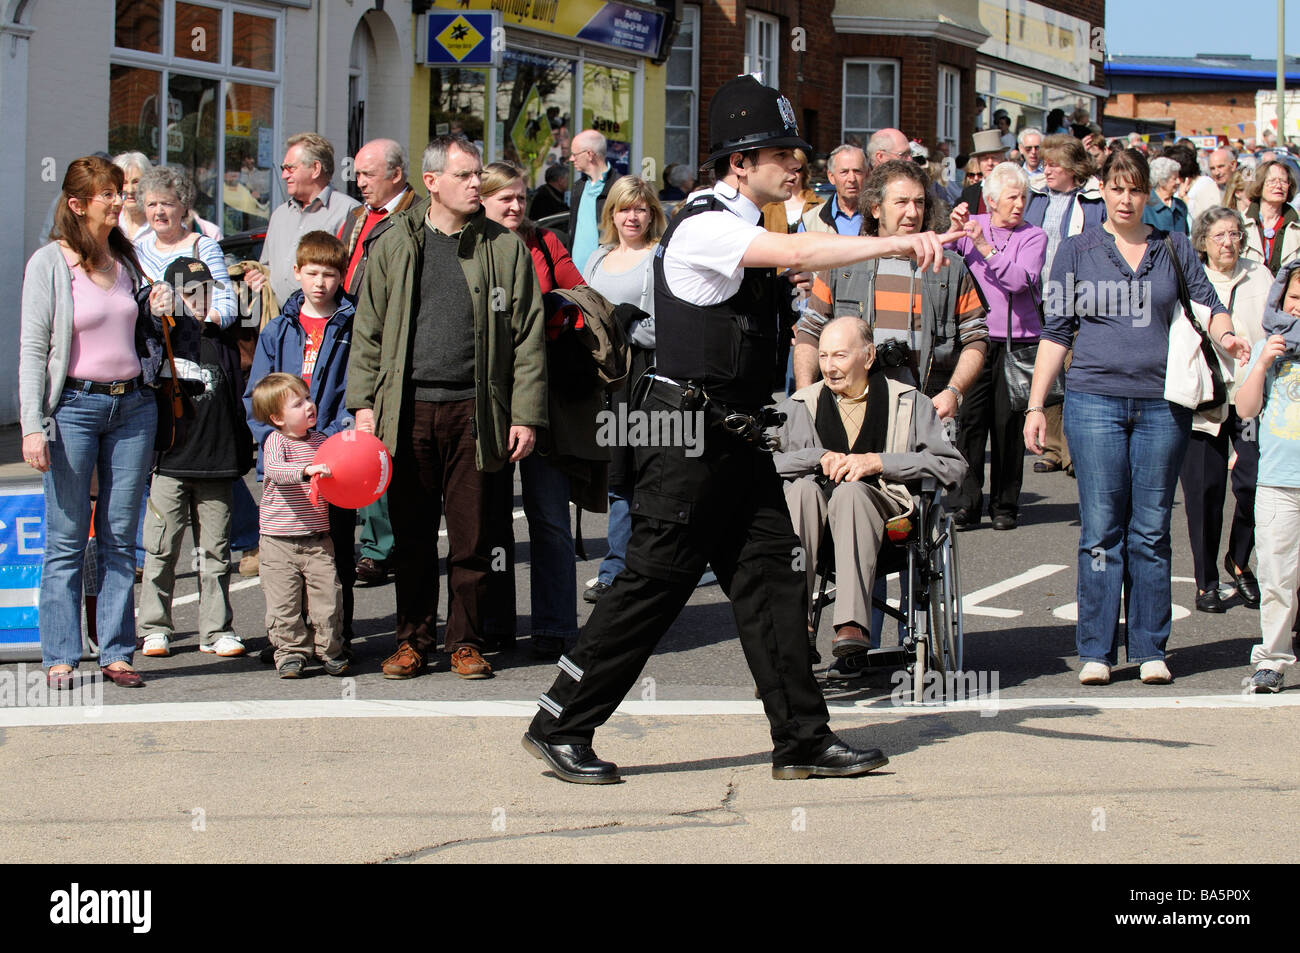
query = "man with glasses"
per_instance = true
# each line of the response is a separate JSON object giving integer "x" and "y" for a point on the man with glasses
{"x": 1030, "y": 141}
{"x": 886, "y": 145}
{"x": 589, "y": 192}
{"x": 448, "y": 370}
{"x": 313, "y": 205}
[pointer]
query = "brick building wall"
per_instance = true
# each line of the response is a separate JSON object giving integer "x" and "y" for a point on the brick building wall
{"x": 1191, "y": 113}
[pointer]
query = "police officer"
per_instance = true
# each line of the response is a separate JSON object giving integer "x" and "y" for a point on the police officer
{"x": 716, "y": 303}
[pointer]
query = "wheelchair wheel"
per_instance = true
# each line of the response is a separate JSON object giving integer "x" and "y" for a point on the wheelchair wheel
{"x": 945, "y": 603}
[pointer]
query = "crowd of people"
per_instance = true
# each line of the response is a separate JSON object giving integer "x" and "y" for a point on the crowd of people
{"x": 444, "y": 326}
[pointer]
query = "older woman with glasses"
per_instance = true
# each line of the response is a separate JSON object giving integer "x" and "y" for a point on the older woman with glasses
{"x": 1272, "y": 225}
{"x": 133, "y": 222}
{"x": 1242, "y": 285}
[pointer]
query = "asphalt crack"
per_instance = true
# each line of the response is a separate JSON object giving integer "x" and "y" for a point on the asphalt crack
{"x": 696, "y": 819}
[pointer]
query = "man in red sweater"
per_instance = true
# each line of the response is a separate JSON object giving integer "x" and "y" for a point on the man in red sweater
{"x": 380, "y": 167}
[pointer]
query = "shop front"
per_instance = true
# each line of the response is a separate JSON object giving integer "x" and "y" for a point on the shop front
{"x": 1035, "y": 60}
{"x": 557, "y": 67}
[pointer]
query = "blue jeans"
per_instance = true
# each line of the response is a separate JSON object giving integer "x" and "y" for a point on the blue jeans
{"x": 618, "y": 534}
{"x": 553, "y": 567}
{"x": 114, "y": 435}
{"x": 244, "y": 518}
{"x": 1127, "y": 454}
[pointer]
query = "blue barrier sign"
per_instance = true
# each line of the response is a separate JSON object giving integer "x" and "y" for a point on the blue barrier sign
{"x": 22, "y": 548}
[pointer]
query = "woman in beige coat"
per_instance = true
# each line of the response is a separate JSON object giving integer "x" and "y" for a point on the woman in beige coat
{"x": 1242, "y": 285}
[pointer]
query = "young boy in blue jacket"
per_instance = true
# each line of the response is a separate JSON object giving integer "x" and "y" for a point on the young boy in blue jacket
{"x": 311, "y": 338}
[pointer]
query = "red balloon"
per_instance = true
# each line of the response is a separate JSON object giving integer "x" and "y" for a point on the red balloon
{"x": 360, "y": 469}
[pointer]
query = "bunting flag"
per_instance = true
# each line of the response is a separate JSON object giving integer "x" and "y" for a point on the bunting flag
{"x": 1241, "y": 127}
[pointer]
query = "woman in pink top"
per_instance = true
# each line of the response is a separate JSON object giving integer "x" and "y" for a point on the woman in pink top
{"x": 89, "y": 354}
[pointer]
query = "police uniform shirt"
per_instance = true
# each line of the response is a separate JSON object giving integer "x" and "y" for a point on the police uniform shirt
{"x": 702, "y": 261}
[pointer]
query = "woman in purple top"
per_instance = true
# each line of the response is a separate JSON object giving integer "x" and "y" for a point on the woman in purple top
{"x": 1005, "y": 255}
{"x": 1116, "y": 287}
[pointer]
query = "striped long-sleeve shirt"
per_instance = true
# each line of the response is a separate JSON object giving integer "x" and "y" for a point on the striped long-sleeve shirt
{"x": 286, "y": 510}
{"x": 208, "y": 252}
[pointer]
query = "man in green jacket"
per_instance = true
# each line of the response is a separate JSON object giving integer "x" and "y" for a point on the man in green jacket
{"x": 448, "y": 369}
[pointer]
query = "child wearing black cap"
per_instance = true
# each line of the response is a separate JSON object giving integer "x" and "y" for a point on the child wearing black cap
{"x": 193, "y": 477}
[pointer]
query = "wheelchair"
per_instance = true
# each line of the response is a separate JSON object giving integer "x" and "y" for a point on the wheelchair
{"x": 924, "y": 554}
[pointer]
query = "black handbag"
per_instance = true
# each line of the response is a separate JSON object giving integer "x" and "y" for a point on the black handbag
{"x": 1018, "y": 369}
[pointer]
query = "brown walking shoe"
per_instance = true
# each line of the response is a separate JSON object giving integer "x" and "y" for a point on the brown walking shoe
{"x": 406, "y": 662}
{"x": 467, "y": 663}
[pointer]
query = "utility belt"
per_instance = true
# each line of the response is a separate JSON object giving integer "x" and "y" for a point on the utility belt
{"x": 748, "y": 424}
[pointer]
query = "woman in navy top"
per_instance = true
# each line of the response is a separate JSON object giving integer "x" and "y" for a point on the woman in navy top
{"x": 1115, "y": 286}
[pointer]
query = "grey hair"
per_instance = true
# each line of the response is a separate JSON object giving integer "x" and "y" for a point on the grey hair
{"x": 315, "y": 148}
{"x": 1162, "y": 167}
{"x": 679, "y": 175}
{"x": 435, "y": 153}
{"x": 879, "y": 142}
{"x": 863, "y": 327}
{"x": 1211, "y": 217}
{"x": 844, "y": 147}
{"x": 166, "y": 178}
{"x": 1004, "y": 174}
{"x": 1029, "y": 131}
{"x": 126, "y": 161}
{"x": 394, "y": 157}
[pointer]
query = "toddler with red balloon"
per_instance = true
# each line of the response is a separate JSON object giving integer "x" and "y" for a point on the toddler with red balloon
{"x": 297, "y": 552}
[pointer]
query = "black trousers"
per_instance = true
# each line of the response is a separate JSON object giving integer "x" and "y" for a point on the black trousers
{"x": 986, "y": 413}
{"x": 343, "y": 531}
{"x": 1205, "y": 482}
{"x": 724, "y": 508}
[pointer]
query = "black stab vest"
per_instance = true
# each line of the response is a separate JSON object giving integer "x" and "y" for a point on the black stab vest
{"x": 730, "y": 347}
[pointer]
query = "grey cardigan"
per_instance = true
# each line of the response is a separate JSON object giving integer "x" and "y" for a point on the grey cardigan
{"x": 45, "y": 338}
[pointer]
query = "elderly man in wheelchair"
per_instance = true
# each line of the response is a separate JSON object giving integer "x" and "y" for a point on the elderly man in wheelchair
{"x": 849, "y": 447}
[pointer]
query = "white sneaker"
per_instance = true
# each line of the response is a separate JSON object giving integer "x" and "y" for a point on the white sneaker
{"x": 1095, "y": 673}
{"x": 228, "y": 646}
{"x": 1156, "y": 672}
{"x": 157, "y": 645}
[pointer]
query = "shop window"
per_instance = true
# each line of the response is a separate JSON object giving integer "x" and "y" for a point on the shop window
{"x": 198, "y": 33}
{"x": 138, "y": 25}
{"x": 761, "y": 57}
{"x": 185, "y": 99}
{"x": 608, "y": 106}
{"x": 534, "y": 111}
{"x": 681, "y": 102}
{"x": 253, "y": 42}
{"x": 870, "y": 98}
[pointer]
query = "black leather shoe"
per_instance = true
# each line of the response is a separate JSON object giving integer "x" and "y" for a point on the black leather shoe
{"x": 1046, "y": 466}
{"x": 962, "y": 519}
{"x": 576, "y": 763}
{"x": 1004, "y": 521}
{"x": 1244, "y": 581}
{"x": 1208, "y": 601}
{"x": 593, "y": 592}
{"x": 837, "y": 761}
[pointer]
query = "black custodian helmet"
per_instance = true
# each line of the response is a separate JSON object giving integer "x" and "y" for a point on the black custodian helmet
{"x": 745, "y": 114}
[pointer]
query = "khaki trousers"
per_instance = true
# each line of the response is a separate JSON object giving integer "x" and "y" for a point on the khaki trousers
{"x": 856, "y": 515}
{"x": 288, "y": 564}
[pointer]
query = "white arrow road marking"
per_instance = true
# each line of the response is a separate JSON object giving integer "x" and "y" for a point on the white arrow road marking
{"x": 970, "y": 604}
{"x": 1070, "y": 611}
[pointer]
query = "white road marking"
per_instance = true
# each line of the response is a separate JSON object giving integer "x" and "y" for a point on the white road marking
{"x": 970, "y": 604}
{"x": 1070, "y": 611}
{"x": 356, "y": 708}
{"x": 234, "y": 587}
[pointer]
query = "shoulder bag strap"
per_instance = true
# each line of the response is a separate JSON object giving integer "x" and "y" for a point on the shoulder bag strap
{"x": 1183, "y": 296}
{"x": 546, "y": 253}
